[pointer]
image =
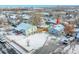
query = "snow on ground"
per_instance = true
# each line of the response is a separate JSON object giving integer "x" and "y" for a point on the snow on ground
{"x": 71, "y": 50}
{"x": 35, "y": 41}
{"x": 74, "y": 50}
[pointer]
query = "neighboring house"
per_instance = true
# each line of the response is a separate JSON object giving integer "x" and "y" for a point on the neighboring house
{"x": 13, "y": 16}
{"x": 13, "y": 19}
{"x": 26, "y": 28}
{"x": 25, "y": 16}
{"x": 45, "y": 13}
{"x": 50, "y": 20}
{"x": 67, "y": 17}
{"x": 56, "y": 29}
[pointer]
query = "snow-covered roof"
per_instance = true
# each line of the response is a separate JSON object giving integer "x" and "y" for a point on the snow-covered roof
{"x": 59, "y": 27}
{"x": 24, "y": 16}
{"x": 23, "y": 26}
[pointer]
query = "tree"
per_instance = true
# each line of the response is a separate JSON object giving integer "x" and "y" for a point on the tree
{"x": 36, "y": 19}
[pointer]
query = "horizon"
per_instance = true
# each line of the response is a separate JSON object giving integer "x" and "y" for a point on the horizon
{"x": 35, "y": 6}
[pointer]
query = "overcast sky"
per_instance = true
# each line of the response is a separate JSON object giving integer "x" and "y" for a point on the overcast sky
{"x": 39, "y": 2}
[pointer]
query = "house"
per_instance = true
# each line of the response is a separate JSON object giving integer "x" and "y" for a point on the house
{"x": 13, "y": 16}
{"x": 50, "y": 20}
{"x": 25, "y": 16}
{"x": 56, "y": 29}
{"x": 26, "y": 28}
{"x": 45, "y": 13}
{"x": 12, "y": 19}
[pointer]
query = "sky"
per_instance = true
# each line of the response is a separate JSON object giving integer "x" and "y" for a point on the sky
{"x": 39, "y": 2}
{"x": 15, "y": 6}
{"x": 35, "y": 3}
{"x": 35, "y": 6}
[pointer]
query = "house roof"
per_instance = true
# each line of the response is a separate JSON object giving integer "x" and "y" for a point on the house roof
{"x": 59, "y": 27}
{"x": 23, "y": 26}
{"x": 24, "y": 16}
{"x": 51, "y": 20}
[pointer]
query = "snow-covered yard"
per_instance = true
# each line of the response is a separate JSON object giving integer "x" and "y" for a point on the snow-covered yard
{"x": 71, "y": 50}
{"x": 35, "y": 41}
